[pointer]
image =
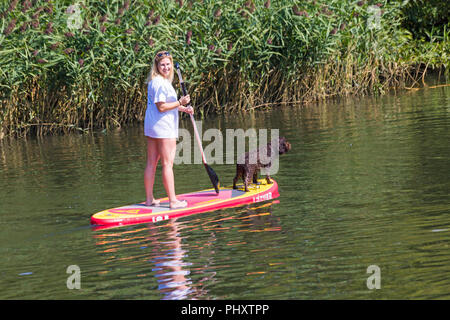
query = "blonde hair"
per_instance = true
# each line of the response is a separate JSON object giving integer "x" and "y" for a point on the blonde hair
{"x": 154, "y": 71}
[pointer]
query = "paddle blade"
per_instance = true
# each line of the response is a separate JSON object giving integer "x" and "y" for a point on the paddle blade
{"x": 213, "y": 177}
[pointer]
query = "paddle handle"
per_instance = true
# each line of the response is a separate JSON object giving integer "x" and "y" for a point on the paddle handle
{"x": 183, "y": 88}
{"x": 182, "y": 84}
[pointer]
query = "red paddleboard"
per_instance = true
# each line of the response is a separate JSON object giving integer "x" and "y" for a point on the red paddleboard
{"x": 200, "y": 201}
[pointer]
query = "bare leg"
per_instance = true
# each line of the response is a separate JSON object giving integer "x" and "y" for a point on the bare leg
{"x": 237, "y": 176}
{"x": 150, "y": 169}
{"x": 234, "y": 182}
{"x": 247, "y": 176}
{"x": 255, "y": 177}
{"x": 167, "y": 150}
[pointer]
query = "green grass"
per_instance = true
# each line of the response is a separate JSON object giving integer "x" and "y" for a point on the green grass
{"x": 235, "y": 55}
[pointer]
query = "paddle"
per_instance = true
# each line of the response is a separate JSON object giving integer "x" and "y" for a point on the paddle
{"x": 212, "y": 175}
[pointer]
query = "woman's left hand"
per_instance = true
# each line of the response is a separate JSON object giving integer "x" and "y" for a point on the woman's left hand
{"x": 185, "y": 100}
{"x": 189, "y": 110}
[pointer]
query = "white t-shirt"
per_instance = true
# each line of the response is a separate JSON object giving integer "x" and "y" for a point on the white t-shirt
{"x": 160, "y": 124}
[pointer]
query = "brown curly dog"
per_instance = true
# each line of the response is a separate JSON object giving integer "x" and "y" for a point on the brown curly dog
{"x": 249, "y": 169}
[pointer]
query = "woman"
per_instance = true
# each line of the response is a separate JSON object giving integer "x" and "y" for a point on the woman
{"x": 161, "y": 127}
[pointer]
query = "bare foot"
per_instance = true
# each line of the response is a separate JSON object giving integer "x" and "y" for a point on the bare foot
{"x": 178, "y": 204}
{"x": 153, "y": 203}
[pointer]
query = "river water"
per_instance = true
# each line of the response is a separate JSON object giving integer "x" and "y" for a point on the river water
{"x": 363, "y": 212}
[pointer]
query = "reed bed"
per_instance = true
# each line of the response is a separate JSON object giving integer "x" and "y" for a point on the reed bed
{"x": 82, "y": 65}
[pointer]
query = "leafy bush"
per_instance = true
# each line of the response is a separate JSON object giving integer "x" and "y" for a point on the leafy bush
{"x": 69, "y": 65}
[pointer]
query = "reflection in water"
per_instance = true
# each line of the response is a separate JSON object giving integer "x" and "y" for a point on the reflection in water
{"x": 183, "y": 264}
{"x": 170, "y": 270}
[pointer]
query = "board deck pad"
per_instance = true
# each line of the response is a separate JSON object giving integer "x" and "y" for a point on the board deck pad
{"x": 200, "y": 201}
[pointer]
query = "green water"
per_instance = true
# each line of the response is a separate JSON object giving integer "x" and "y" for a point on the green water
{"x": 366, "y": 183}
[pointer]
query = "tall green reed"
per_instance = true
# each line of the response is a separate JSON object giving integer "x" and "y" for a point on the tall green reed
{"x": 78, "y": 65}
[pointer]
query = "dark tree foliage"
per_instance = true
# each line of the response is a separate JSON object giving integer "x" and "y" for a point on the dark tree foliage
{"x": 426, "y": 17}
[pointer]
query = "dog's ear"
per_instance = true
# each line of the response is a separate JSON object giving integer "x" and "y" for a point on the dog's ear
{"x": 288, "y": 146}
{"x": 285, "y": 146}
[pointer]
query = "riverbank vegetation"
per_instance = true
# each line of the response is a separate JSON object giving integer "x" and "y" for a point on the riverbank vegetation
{"x": 82, "y": 65}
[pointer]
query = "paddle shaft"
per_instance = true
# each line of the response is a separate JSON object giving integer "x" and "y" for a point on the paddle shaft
{"x": 212, "y": 175}
{"x": 197, "y": 136}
